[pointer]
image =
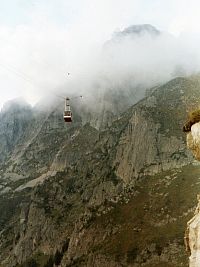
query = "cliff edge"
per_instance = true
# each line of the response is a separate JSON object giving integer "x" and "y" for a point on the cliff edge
{"x": 192, "y": 236}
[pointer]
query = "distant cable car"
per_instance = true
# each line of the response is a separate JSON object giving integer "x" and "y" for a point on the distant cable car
{"x": 67, "y": 112}
{"x": 67, "y": 115}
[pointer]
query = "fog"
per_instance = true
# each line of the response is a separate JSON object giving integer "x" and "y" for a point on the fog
{"x": 36, "y": 57}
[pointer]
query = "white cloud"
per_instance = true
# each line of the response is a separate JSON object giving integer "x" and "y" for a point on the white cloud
{"x": 51, "y": 38}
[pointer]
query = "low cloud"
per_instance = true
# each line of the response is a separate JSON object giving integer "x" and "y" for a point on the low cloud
{"x": 35, "y": 58}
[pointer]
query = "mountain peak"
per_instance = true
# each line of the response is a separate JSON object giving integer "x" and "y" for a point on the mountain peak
{"x": 138, "y": 30}
{"x": 16, "y": 104}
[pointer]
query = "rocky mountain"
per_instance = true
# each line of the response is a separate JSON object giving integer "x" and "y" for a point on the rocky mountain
{"x": 14, "y": 119}
{"x": 76, "y": 195}
{"x": 192, "y": 231}
{"x": 138, "y": 30}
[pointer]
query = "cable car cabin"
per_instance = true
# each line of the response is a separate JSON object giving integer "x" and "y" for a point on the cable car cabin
{"x": 67, "y": 112}
{"x": 67, "y": 116}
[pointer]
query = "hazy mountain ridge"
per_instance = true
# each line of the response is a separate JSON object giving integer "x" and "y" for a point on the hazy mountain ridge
{"x": 14, "y": 121}
{"x": 86, "y": 173}
{"x": 138, "y": 30}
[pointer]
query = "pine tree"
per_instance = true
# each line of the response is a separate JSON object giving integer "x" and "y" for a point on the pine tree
{"x": 50, "y": 262}
{"x": 58, "y": 257}
{"x": 31, "y": 263}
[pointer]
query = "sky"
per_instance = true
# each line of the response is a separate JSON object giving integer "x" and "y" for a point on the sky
{"x": 42, "y": 40}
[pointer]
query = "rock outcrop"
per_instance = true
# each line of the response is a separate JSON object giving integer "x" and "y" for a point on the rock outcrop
{"x": 193, "y": 140}
{"x": 192, "y": 237}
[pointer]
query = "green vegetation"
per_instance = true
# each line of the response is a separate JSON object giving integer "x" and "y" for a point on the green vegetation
{"x": 30, "y": 263}
{"x": 50, "y": 262}
{"x": 58, "y": 257}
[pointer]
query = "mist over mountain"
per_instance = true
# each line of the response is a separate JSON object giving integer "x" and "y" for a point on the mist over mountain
{"x": 140, "y": 56}
{"x": 111, "y": 188}
{"x": 117, "y": 185}
{"x": 137, "y": 30}
{"x": 133, "y": 60}
{"x": 15, "y": 104}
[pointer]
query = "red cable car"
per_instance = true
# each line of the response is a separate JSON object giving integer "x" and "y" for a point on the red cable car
{"x": 67, "y": 115}
{"x": 67, "y": 112}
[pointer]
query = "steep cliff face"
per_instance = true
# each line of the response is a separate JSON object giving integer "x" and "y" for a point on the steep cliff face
{"x": 193, "y": 226}
{"x": 110, "y": 195}
{"x": 14, "y": 120}
{"x": 192, "y": 238}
